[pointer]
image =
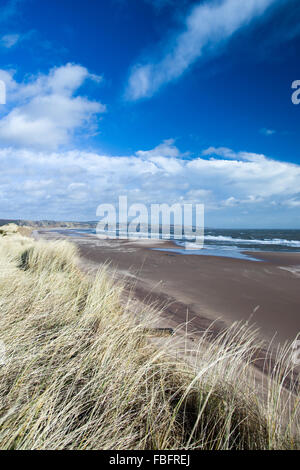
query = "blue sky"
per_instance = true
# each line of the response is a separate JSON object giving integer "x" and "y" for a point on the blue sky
{"x": 162, "y": 100}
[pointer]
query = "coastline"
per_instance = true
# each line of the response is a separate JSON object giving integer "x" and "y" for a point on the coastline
{"x": 206, "y": 290}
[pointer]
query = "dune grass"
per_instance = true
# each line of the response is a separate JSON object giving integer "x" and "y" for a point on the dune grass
{"x": 80, "y": 372}
{"x": 8, "y": 229}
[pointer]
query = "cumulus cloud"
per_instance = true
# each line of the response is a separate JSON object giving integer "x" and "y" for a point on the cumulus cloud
{"x": 206, "y": 26}
{"x": 166, "y": 149}
{"x": 71, "y": 184}
{"x": 47, "y": 109}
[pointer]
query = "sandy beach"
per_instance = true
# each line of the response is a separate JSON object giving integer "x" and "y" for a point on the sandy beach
{"x": 203, "y": 289}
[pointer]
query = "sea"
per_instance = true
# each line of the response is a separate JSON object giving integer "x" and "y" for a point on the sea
{"x": 231, "y": 243}
{"x": 234, "y": 243}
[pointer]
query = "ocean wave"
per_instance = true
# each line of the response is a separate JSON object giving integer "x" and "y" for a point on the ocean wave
{"x": 272, "y": 241}
{"x": 227, "y": 240}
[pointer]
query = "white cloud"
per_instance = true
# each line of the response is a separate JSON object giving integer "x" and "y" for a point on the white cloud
{"x": 71, "y": 184}
{"x": 231, "y": 155}
{"x": 206, "y": 26}
{"x": 267, "y": 132}
{"x": 166, "y": 149}
{"x": 47, "y": 113}
{"x": 233, "y": 201}
{"x": 293, "y": 202}
{"x": 9, "y": 40}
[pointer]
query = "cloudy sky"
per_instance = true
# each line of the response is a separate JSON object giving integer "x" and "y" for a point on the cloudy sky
{"x": 164, "y": 101}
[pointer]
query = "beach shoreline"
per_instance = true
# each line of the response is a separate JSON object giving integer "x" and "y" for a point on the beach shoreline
{"x": 205, "y": 290}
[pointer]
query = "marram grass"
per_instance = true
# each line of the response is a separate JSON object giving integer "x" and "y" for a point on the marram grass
{"x": 80, "y": 373}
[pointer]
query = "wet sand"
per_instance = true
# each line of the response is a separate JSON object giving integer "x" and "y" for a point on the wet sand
{"x": 204, "y": 289}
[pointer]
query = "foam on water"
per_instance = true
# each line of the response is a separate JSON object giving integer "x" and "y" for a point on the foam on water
{"x": 222, "y": 242}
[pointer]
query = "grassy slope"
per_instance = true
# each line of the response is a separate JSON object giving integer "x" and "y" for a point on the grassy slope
{"x": 80, "y": 373}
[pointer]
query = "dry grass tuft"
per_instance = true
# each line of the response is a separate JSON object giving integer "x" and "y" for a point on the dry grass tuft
{"x": 8, "y": 229}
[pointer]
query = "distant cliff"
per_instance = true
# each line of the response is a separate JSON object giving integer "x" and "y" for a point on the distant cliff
{"x": 48, "y": 223}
